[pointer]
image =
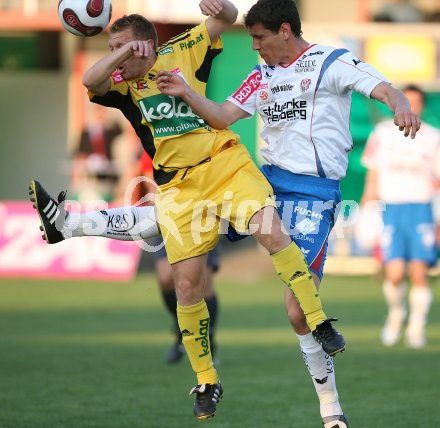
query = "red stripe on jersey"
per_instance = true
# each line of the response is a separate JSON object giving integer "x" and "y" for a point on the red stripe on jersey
{"x": 249, "y": 86}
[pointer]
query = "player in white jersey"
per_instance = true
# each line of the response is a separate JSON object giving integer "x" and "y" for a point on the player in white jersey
{"x": 403, "y": 175}
{"x": 303, "y": 94}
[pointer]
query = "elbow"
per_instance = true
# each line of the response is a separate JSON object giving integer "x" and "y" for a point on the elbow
{"x": 219, "y": 124}
{"x": 229, "y": 14}
{"x": 87, "y": 82}
{"x": 90, "y": 82}
{"x": 93, "y": 86}
{"x": 234, "y": 16}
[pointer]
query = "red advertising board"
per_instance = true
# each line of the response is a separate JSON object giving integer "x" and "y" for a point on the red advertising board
{"x": 23, "y": 253}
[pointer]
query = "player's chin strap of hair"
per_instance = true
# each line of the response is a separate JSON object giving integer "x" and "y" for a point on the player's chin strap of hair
{"x": 186, "y": 168}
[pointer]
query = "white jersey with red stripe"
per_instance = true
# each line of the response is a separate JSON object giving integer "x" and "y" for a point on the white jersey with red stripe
{"x": 305, "y": 107}
{"x": 406, "y": 169}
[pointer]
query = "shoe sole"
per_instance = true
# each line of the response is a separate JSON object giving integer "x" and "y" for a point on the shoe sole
{"x": 34, "y": 200}
{"x": 340, "y": 350}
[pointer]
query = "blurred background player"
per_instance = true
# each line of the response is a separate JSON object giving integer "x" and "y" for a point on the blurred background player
{"x": 404, "y": 174}
{"x": 95, "y": 170}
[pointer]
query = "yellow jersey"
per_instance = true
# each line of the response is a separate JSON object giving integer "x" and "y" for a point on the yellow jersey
{"x": 171, "y": 133}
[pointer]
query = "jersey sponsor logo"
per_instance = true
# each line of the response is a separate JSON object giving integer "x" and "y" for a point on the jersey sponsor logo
{"x": 140, "y": 85}
{"x": 203, "y": 338}
{"x": 301, "y": 237}
{"x": 306, "y": 212}
{"x": 289, "y": 110}
{"x": 175, "y": 71}
{"x": 306, "y": 226}
{"x": 264, "y": 95}
{"x": 316, "y": 53}
{"x": 169, "y": 115}
{"x": 263, "y": 86}
{"x": 356, "y": 61}
{"x": 190, "y": 43}
{"x": 282, "y": 88}
{"x": 248, "y": 87}
{"x": 305, "y": 85}
{"x": 166, "y": 50}
{"x": 305, "y": 66}
{"x": 117, "y": 78}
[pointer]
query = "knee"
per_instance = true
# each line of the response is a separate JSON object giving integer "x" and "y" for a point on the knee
{"x": 188, "y": 292}
{"x": 395, "y": 278}
{"x": 184, "y": 287}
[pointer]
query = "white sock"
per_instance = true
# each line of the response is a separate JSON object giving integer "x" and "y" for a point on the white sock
{"x": 124, "y": 223}
{"x": 395, "y": 295}
{"x": 321, "y": 369}
{"x": 420, "y": 299}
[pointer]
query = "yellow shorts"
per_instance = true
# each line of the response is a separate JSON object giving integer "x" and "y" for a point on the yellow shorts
{"x": 197, "y": 205}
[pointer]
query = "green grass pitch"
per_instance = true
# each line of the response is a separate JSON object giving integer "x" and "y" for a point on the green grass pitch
{"x": 89, "y": 354}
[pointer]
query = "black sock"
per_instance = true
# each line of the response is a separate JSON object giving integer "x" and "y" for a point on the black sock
{"x": 212, "y": 304}
{"x": 170, "y": 300}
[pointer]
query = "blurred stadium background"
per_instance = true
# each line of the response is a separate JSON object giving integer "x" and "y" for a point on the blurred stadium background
{"x": 76, "y": 352}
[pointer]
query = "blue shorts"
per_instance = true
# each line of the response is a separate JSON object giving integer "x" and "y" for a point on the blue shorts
{"x": 307, "y": 207}
{"x": 409, "y": 233}
{"x": 213, "y": 255}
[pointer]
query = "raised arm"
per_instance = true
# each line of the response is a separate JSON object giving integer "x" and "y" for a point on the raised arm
{"x": 398, "y": 103}
{"x": 97, "y": 77}
{"x": 219, "y": 116}
{"x": 222, "y": 14}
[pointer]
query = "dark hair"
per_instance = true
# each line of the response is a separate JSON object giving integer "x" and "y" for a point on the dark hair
{"x": 142, "y": 28}
{"x": 415, "y": 88}
{"x": 272, "y": 13}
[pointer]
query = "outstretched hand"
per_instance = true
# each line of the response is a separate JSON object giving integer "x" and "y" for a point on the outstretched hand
{"x": 211, "y": 7}
{"x": 408, "y": 122}
{"x": 170, "y": 84}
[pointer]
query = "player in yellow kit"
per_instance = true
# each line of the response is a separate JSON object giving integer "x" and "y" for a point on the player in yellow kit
{"x": 206, "y": 178}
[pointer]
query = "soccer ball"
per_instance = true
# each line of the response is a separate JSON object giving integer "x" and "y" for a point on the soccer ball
{"x": 85, "y": 17}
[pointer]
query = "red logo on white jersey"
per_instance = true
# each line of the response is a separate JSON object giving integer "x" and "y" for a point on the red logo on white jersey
{"x": 248, "y": 87}
{"x": 117, "y": 78}
{"x": 305, "y": 85}
{"x": 264, "y": 95}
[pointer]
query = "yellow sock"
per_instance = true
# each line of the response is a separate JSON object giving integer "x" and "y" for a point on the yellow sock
{"x": 293, "y": 271}
{"x": 194, "y": 326}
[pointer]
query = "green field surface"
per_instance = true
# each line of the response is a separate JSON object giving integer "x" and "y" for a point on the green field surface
{"x": 90, "y": 354}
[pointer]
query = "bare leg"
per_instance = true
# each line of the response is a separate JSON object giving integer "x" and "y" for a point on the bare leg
{"x": 394, "y": 290}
